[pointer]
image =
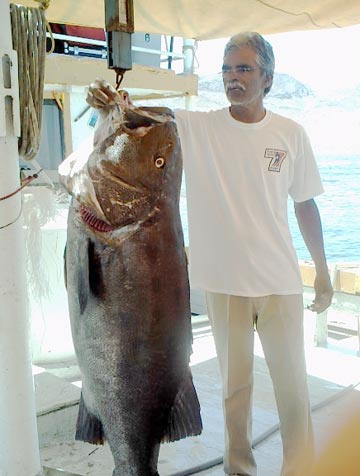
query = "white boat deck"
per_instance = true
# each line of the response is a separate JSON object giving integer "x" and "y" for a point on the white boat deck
{"x": 334, "y": 382}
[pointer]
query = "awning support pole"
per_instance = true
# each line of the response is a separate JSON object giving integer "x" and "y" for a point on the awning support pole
{"x": 19, "y": 446}
{"x": 189, "y": 57}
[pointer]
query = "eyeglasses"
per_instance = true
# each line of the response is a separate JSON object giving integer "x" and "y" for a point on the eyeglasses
{"x": 241, "y": 69}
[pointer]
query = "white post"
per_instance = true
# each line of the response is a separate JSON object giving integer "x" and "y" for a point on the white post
{"x": 19, "y": 447}
{"x": 189, "y": 57}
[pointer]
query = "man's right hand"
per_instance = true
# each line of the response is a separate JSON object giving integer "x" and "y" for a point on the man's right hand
{"x": 101, "y": 95}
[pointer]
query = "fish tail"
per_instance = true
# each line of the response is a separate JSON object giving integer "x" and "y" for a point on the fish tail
{"x": 88, "y": 427}
{"x": 185, "y": 418}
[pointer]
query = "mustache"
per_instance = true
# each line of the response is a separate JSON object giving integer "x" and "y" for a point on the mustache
{"x": 234, "y": 84}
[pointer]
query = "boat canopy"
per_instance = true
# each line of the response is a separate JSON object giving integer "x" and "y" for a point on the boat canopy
{"x": 210, "y": 19}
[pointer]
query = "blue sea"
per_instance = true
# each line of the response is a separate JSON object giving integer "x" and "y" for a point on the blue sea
{"x": 339, "y": 209}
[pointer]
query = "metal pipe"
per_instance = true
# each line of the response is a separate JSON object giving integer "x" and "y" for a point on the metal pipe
{"x": 90, "y": 41}
{"x": 19, "y": 447}
{"x": 170, "y": 50}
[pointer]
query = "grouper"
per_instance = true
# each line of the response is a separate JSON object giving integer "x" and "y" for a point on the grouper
{"x": 127, "y": 285}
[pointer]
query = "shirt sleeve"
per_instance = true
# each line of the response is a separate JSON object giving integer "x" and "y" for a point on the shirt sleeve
{"x": 306, "y": 182}
{"x": 186, "y": 128}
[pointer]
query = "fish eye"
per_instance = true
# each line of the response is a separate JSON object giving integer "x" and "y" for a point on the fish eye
{"x": 159, "y": 162}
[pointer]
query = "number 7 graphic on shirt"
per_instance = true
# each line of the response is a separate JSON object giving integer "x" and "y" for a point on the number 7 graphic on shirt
{"x": 276, "y": 157}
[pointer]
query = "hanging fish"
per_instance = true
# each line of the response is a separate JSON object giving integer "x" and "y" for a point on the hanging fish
{"x": 127, "y": 284}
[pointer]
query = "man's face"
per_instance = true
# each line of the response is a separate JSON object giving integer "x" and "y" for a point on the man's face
{"x": 244, "y": 81}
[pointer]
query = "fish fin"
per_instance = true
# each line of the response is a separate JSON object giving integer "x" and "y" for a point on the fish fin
{"x": 83, "y": 276}
{"x": 184, "y": 418}
{"x": 88, "y": 427}
{"x": 96, "y": 275}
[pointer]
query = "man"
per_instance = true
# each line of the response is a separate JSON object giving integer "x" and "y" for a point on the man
{"x": 241, "y": 163}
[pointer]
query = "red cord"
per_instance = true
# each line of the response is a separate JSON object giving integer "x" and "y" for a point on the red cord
{"x": 24, "y": 183}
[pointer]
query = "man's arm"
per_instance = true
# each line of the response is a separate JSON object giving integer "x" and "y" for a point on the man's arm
{"x": 308, "y": 217}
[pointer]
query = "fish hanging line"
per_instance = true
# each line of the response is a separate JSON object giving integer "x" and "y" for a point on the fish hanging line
{"x": 29, "y": 27}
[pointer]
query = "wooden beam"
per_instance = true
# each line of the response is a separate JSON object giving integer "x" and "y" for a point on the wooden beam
{"x": 144, "y": 80}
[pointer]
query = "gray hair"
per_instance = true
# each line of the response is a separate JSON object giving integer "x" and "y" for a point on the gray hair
{"x": 265, "y": 54}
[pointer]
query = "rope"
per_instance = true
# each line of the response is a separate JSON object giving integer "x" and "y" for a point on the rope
{"x": 44, "y": 4}
{"x": 29, "y": 40}
{"x": 52, "y": 39}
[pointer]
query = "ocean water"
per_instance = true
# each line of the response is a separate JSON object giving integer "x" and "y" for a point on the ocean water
{"x": 339, "y": 210}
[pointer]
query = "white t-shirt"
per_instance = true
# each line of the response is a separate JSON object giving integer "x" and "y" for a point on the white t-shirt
{"x": 238, "y": 178}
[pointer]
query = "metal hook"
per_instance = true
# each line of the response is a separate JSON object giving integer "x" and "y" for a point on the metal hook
{"x": 119, "y": 77}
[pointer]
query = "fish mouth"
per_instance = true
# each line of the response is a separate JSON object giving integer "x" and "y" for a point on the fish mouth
{"x": 143, "y": 118}
{"x": 93, "y": 221}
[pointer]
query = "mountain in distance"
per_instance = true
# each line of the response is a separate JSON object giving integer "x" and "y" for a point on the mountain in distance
{"x": 287, "y": 93}
{"x": 287, "y": 87}
{"x": 330, "y": 118}
{"x": 284, "y": 86}
{"x": 211, "y": 93}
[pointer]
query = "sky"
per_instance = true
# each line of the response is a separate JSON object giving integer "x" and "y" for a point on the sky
{"x": 324, "y": 59}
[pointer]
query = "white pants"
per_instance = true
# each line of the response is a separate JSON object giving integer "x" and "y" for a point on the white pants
{"x": 279, "y": 323}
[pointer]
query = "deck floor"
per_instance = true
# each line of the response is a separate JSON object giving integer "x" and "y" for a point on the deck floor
{"x": 334, "y": 383}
